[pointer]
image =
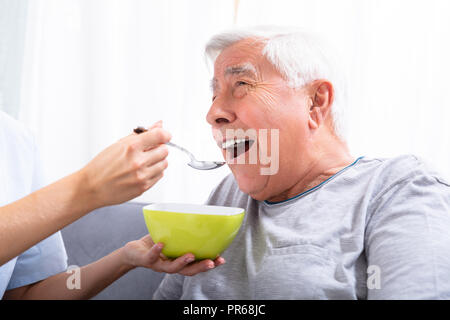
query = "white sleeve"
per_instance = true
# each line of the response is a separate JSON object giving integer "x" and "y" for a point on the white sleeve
{"x": 46, "y": 258}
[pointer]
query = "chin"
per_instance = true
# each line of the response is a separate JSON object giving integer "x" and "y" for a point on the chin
{"x": 258, "y": 196}
{"x": 253, "y": 185}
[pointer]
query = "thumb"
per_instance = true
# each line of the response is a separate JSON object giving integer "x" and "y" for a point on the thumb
{"x": 157, "y": 124}
{"x": 153, "y": 254}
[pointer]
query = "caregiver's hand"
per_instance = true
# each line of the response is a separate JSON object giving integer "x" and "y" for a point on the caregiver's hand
{"x": 127, "y": 168}
{"x": 145, "y": 253}
{"x": 119, "y": 173}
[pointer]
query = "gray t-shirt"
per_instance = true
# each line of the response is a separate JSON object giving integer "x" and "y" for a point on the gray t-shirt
{"x": 378, "y": 229}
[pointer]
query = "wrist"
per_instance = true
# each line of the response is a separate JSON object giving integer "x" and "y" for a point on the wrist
{"x": 125, "y": 262}
{"x": 85, "y": 191}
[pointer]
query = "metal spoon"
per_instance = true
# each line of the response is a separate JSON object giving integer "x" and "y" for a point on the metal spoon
{"x": 194, "y": 163}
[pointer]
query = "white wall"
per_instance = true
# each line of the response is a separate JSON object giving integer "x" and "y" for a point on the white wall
{"x": 395, "y": 53}
{"x": 95, "y": 69}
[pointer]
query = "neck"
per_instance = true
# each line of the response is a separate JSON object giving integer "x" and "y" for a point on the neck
{"x": 324, "y": 163}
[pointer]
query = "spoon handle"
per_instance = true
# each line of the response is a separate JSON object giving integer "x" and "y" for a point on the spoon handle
{"x": 182, "y": 149}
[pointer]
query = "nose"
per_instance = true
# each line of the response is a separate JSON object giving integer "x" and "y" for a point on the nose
{"x": 219, "y": 114}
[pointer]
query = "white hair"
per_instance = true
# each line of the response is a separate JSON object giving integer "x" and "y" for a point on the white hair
{"x": 299, "y": 56}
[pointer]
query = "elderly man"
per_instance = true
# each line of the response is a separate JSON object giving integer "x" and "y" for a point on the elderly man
{"x": 325, "y": 225}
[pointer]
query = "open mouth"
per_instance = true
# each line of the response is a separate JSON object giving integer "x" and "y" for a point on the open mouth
{"x": 236, "y": 147}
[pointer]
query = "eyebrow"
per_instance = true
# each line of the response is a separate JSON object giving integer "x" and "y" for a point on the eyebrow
{"x": 244, "y": 69}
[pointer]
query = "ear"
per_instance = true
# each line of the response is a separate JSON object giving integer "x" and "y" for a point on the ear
{"x": 321, "y": 99}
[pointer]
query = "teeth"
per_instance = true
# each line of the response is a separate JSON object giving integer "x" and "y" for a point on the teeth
{"x": 231, "y": 142}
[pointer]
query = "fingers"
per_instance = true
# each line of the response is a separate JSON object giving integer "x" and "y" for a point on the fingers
{"x": 151, "y": 174}
{"x": 156, "y": 169}
{"x": 185, "y": 265}
{"x": 148, "y": 241}
{"x": 155, "y": 155}
{"x": 177, "y": 265}
{"x": 153, "y": 138}
{"x": 152, "y": 143}
{"x": 152, "y": 169}
{"x": 202, "y": 266}
{"x": 157, "y": 124}
{"x": 152, "y": 256}
{"x": 139, "y": 130}
{"x": 197, "y": 267}
{"x": 151, "y": 182}
{"x": 219, "y": 261}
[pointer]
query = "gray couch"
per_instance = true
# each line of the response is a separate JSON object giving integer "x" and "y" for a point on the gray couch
{"x": 101, "y": 232}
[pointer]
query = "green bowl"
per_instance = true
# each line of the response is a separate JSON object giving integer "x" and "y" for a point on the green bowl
{"x": 205, "y": 231}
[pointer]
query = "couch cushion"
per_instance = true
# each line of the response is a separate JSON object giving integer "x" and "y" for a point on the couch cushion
{"x": 103, "y": 231}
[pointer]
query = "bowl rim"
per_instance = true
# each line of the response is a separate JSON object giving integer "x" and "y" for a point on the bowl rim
{"x": 190, "y": 208}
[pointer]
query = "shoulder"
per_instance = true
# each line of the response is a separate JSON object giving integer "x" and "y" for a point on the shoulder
{"x": 374, "y": 178}
{"x": 405, "y": 166}
{"x": 382, "y": 176}
{"x": 15, "y": 133}
{"x": 19, "y": 160}
{"x": 406, "y": 170}
{"x": 408, "y": 184}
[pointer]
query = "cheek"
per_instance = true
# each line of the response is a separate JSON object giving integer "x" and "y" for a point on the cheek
{"x": 258, "y": 106}
{"x": 240, "y": 92}
{"x": 269, "y": 109}
{"x": 273, "y": 96}
{"x": 256, "y": 115}
{"x": 270, "y": 100}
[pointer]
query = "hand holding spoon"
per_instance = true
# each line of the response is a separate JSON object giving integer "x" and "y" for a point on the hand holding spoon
{"x": 194, "y": 163}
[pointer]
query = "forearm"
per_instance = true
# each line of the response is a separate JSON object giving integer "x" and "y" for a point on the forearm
{"x": 93, "y": 278}
{"x": 119, "y": 173}
{"x": 33, "y": 218}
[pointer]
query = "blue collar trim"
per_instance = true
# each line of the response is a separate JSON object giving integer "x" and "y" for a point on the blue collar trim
{"x": 316, "y": 187}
